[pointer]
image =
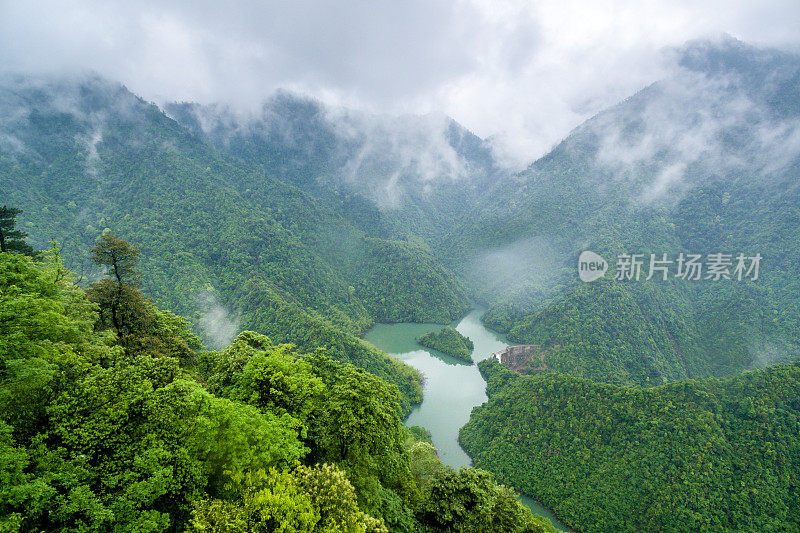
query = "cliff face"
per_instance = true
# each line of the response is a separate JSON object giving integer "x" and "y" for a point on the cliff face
{"x": 522, "y": 358}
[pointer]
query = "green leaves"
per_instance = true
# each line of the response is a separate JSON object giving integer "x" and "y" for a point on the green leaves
{"x": 449, "y": 341}
{"x": 684, "y": 456}
{"x": 12, "y": 239}
{"x": 274, "y": 378}
{"x": 231, "y": 437}
{"x": 469, "y": 501}
{"x": 316, "y": 499}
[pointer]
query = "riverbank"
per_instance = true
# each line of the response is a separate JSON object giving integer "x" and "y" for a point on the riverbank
{"x": 451, "y": 388}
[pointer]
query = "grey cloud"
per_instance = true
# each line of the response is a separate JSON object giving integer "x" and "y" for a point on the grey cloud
{"x": 521, "y": 73}
{"x": 391, "y": 149}
{"x": 692, "y": 124}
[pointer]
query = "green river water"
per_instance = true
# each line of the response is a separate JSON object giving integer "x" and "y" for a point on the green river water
{"x": 451, "y": 387}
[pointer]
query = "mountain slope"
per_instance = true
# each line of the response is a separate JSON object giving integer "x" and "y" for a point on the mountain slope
{"x": 421, "y": 174}
{"x": 706, "y": 161}
{"x": 688, "y": 456}
{"x": 83, "y": 155}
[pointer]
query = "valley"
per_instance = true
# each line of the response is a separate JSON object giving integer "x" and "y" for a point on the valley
{"x": 282, "y": 262}
{"x": 451, "y": 389}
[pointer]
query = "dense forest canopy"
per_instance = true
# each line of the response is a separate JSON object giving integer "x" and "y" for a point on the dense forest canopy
{"x": 700, "y": 455}
{"x": 114, "y": 418}
{"x": 205, "y": 363}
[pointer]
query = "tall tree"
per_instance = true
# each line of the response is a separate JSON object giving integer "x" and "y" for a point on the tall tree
{"x": 12, "y": 239}
{"x": 140, "y": 327}
{"x": 122, "y": 306}
{"x": 118, "y": 257}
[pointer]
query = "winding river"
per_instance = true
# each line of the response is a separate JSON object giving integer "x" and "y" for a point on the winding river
{"x": 451, "y": 387}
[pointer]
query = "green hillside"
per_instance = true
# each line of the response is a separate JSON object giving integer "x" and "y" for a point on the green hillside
{"x": 112, "y": 418}
{"x": 673, "y": 169}
{"x": 90, "y": 156}
{"x": 617, "y": 425}
{"x": 705, "y": 455}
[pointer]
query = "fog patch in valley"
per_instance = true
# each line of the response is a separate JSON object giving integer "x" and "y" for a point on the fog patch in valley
{"x": 218, "y": 323}
{"x": 769, "y": 352}
{"x": 528, "y": 269}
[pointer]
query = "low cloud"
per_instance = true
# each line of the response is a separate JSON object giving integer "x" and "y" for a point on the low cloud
{"x": 394, "y": 153}
{"x": 219, "y": 325}
{"x": 690, "y": 128}
{"x": 773, "y": 351}
{"x": 522, "y": 74}
{"x": 384, "y": 157}
{"x": 527, "y": 269}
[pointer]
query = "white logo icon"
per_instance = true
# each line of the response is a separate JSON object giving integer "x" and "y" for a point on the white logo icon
{"x": 591, "y": 266}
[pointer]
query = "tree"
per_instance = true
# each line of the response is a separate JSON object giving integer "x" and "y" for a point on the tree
{"x": 252, "y": 370}
{"x": 12, "y": 240}
{"x": 318, "y": 499}
{"x": 119, "y": 258}
{"x": 358, "y": 427}
{"x": 140, "y": 327}
{"x": 46, "y": 339}
{"x": 470, "y": 501}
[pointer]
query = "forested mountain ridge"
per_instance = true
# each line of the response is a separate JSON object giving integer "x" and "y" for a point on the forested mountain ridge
{"x": 703, "y": 455}
{"x": 308, "y": 226}
{"x": 332, "y": 213}
{"x": 420, "y": 174}
{"x": 705, "y": 161}
{"x": 82, "y": 155}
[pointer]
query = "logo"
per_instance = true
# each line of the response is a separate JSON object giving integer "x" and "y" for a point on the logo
{"x": 684, "y": 266}
{"x": 591, "y": 266}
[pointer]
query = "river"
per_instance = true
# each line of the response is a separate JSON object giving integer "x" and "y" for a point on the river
{"x": 451, "y": 387}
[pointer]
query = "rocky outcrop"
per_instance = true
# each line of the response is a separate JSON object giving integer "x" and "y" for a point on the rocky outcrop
{"x": 522, "y": 358}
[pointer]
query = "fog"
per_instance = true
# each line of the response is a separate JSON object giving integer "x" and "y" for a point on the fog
{"x": 520, "y": 73}
{"x": 689, "y": 128}
{"x": 217, "y": 322}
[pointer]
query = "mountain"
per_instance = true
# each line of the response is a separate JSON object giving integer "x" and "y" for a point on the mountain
{"x": 308, "y": 224}
{"x": 114, "y": 416}
{"x": 636, "y": 406}
{"x": 704, "y": 162}
{"x": 699, "y": 455}
{"x": 223, "y": 243}
{"x": 422, "y": 173}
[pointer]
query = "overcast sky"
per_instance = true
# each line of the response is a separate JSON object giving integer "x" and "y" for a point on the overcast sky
{"x": 523, "y": 73}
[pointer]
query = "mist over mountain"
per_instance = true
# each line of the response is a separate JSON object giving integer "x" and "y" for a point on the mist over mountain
{"x": 697, "y": 162}
{"x": 310, "y": 222}
{"x": 422, "y": 172}
{"x": 704, "y": 161}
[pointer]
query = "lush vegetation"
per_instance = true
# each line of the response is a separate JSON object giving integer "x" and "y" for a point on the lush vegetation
{"x": 704, "y": 455}
{"x": 313, "y": 271}
{"x": 11, "y": 238}
{"x": 598, "y": 190}
{"x": 270, "y": 210}
{"x": 114, "y": 418}
{"x": 449, "y": 341}
{"x": 406, "y": 284}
